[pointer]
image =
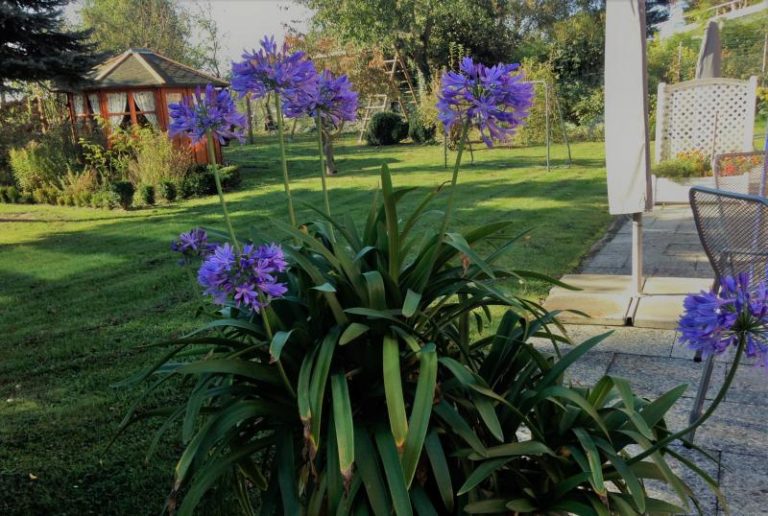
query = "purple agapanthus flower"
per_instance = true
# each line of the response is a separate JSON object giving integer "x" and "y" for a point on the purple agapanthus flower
{"x": 271, "y": 69}
{"x": 192, "y": 244}
{"x": 215, "y": 111}
{"x": 247, "y": 277}
{"x": 715, "y": 321}
{"x": 331, "y": 97}
{"x": 494, "y": 99}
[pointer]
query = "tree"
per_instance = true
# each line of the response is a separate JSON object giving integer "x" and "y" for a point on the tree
{"x": 35, "y": 46}
{"x": 207, "y": 53}
{"x": 159, "y": 25}
{"x": 420, "y": 30}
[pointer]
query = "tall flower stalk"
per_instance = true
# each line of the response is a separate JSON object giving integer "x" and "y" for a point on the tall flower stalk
{"x": 330, "y": 101}
{"x": 278, "y": 71}
{"x": 210, "y": 116}
{"x": 326, "y": 199}
{"x": 495, "y": 100}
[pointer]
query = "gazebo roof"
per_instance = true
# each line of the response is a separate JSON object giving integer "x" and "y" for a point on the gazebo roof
{"x": 141, "y": 67}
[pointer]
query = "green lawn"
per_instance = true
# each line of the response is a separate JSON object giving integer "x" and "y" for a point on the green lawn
{"x": 80, "y": 289}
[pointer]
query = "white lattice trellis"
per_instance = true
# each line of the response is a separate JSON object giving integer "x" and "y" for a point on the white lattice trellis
{"x": 689, "y": 113}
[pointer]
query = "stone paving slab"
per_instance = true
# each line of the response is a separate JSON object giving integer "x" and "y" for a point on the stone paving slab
{"x": 667, "y": 286}
{"x": 750, "y": 387}
{"x": 661, "y": 312}
{"x": 734, "y": 427}
{"x": 625, "y": 339}
{"x": 607, "y": 309}
{"x": 653, "y": 376}
{"x": 743, "y": 480}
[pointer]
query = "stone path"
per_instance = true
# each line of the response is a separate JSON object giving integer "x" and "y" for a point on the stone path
{"x": 654, "y": 361}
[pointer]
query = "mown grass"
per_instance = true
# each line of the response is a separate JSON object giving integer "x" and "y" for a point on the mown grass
{"x": 82, "y": 289}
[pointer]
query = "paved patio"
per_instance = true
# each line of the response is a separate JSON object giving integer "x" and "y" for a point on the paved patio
{"x": 654, "y": 361}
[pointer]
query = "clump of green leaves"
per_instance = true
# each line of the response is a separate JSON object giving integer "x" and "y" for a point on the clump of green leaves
{"x": 370, "y": 393}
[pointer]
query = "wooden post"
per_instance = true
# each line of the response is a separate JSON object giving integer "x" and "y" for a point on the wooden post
{"x": 637, "y": 254}
{"x": 765, "y": 58}
{"x": 546, "y": 118}
{"x": 250, "y": 118}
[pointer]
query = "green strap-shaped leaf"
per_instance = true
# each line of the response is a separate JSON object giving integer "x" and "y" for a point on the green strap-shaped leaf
{"x": 633, "y": 484}
{"x": 317, "y": 384}
{"x": 411, "y": 303}
{"x": 345, "y": 432}
{"x": 421, "y": 502}
{"x": 286, "y": 474}
{"x": 244, "y": 368}
{"x": 368, "y": 466}
{"x": 394, "y": 473}
{"x": 514, "y": 449}
{"x": 493, "y": 506}
{"x": 393, "y": 390}
{"x": 456, "y": 423}
{"x": 377, "y": 295}
{"x": 278, "y": 343}
{"x": 481, "y": 472}
{"x": 423, "y": 399}
{"x": 393, "y": 232}
{"x": 593, "y": 457}
{"x": 353, "y": 331}
{"x": 440, "y": 470}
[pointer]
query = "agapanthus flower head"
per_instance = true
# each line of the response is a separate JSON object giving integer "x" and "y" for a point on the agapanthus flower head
{"x": 192, "y": 244}
{"x": 494, "y": 99}
{"x": 330, "y": 97}
{"x": 715, "y": 321}
{"x": 214, "y": 111}
{"x": 247, "y": 278}
{"x": 271, "y": 69}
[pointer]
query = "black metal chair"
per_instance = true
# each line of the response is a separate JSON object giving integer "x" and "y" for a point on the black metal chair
{"x": 733, "y": 229}
{"x": 742, "y": 172}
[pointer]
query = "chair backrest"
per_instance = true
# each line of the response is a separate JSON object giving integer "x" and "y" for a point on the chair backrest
{"x": 708, "y": 115}
{"x": 733, "y": 229}
{"x": 741, "y": 172}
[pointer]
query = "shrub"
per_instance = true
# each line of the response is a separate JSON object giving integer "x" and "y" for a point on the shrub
{"x": 107, "y": 199}
{"x": 42, "y": 162}
{"x": 200, "y": 180}
{"x": 230, "y": 177}
{"x": 198, "y": 184}
{"x": 147, "y": 195}
{"x": 386, "y": 128}
{"x": 154, "y": 158}
{"x": 419, "y": 132}
{"x": 124, "y": 191}
{"x": 12, "y": 194}
{"x": 76, "y": 184}
{"x": 45, "y": 195}
{"x": 83, "y": 199}
{"x": 167, "y": 190}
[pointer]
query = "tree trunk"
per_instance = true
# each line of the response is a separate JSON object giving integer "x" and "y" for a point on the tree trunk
{"x": 330, "y": 163}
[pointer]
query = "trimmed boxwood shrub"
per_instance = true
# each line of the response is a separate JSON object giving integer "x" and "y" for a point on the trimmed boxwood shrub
{"x": 200, "y": 180}
{"x": 167, "y": 191}
{"x": 147, "y": 195}
{"x": 124, "y": 191}
{"x": 386, "y": 128}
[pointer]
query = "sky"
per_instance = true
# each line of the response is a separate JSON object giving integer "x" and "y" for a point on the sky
{"x": 242, "y": 23}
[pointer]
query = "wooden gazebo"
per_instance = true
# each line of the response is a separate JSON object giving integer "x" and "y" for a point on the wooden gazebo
{"x": 135, "y": 88}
